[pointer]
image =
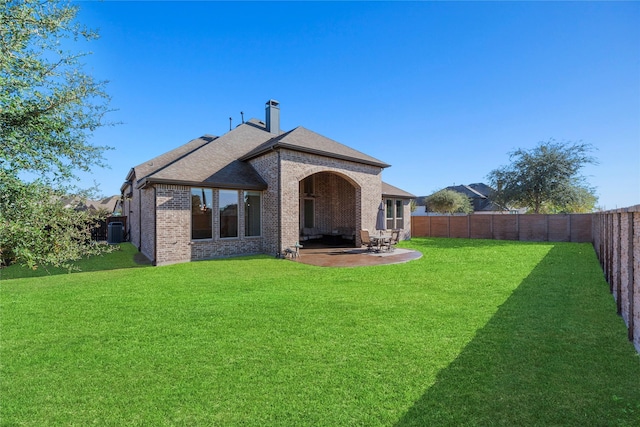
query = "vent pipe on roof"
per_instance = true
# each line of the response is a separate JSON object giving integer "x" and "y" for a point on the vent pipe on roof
{"x": 272, "y": 112}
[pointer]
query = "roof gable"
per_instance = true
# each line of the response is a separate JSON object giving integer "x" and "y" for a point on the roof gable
{"x": 391, "y": 191}
{"x": 216, "y": 163}
{"x": 149, "y": 167}
{"x": 304, "y": 140}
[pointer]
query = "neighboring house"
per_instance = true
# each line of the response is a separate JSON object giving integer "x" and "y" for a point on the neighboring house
{"x": 255, "y": 190}
{"x": 480, "y": 195}
{"x": 107, "y": 204}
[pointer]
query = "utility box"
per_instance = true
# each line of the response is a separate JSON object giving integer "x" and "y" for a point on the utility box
{"x": 115, "y": 230}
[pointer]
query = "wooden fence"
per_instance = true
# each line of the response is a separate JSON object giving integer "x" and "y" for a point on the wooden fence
{"x": 537, "y": 228}
{"x": 100, "y": 233}
{"x": 616, "y": 240}
{"x": 615, "y": 236}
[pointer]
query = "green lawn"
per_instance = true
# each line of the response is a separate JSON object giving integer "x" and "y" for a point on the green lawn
{"x": 475, "y": 332}
{"x": 123, "y": 256}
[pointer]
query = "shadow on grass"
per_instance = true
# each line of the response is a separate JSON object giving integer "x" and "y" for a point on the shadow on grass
{"x": 124, "y": 256}
{"x": 555, "y": 353}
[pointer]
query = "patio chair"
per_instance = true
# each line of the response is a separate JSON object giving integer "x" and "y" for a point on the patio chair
{"x": 366, "y": 240}
{"x": 390, "y": 245}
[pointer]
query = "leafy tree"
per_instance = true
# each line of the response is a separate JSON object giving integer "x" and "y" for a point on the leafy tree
{"x": 48, "y": 108}
{"x": 581, "y": 201}
{"x": 39, "y": 228}
{"x": 448, "y": 201}
{"x": 546, "y": 178}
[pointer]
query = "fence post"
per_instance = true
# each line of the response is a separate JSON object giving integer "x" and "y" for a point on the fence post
{"x": 617, "y": 260}
{"x": 493, "y": 236}
{"x": 609, "y": 251}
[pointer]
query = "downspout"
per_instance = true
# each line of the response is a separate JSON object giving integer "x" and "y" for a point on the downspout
{"x": 155, "y": 226}
{"x": 139, "y": 220}
{"x": 279, "y": 203}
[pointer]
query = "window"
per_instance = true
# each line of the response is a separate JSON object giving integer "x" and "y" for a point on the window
{"x": 252, "y": 214}
{"x": 201, "y": 213}
{"x": 394, "y": 214}
{"x": 399, "y": 214}
{"x": 228, "y": 213}
{"x": 389, "y": 210}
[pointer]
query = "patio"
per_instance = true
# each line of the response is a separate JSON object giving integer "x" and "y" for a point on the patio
{"x": 324, "y": 256}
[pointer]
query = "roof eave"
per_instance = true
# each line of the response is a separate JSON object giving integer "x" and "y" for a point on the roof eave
{"x": 312, "y": 151}
{"x": 146, "y": 182}
{"x": 400, "y": 196}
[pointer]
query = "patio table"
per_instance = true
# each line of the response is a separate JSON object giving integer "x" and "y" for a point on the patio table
{"x": 380, "y": 240}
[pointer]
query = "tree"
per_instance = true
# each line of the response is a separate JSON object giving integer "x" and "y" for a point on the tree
{"x": 38, "y": 228}
{"x": 546, "y": 178}
{"x": 448, "y": 201}
{"x": 48, "y": 109}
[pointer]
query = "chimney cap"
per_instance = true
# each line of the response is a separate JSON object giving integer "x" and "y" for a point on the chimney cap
{"x": 273, "y": 103}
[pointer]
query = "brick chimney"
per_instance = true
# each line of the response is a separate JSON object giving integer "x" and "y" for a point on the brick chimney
{"x": 272, "y": 111}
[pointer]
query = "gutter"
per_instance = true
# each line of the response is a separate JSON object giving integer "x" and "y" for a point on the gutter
{"x": 139, "y": 220}
{"x": 146, "y": 182}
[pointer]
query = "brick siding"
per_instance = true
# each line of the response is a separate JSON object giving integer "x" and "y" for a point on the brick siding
{"x": 348, "y": 195}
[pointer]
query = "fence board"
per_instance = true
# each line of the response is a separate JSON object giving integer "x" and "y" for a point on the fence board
{"x": 459, "y": 226}
{"x": 480, "y": 226}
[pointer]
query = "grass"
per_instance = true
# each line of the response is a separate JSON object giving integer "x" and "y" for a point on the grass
{"x": 124, "y": 256}
{"x": 474, "y": 333}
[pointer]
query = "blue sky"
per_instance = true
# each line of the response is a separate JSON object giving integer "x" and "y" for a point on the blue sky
{"x": 442, "y": 91}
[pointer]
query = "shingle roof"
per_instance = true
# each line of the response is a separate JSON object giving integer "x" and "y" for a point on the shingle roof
{"x": 216, "y": 163}
{"x": 304, "y": 140}
{"x": 222, "y": 161}
{"x": 391, "y": 191}
{"x": 157, "y": 163}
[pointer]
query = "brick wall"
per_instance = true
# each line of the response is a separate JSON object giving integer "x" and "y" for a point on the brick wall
{"x": 267, "y": 167}
{"x": 131, "y": 208}
{"x": 173, "y": 213}
{"x": 174, "y": 243}
{"x": 147, "y": 222}
{"x": 361, "y": 182}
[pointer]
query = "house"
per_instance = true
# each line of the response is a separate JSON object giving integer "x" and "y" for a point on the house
{"x": 107, "y": 204}
{"x": 480, "y": 195}
{"x": 255, "y": 189}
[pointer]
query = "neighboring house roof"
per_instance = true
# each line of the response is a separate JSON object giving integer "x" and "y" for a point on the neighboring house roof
{"x": 479, "y": 193}
{"x": 107, "y": 204}
{"x": 391, "y": 191}
{"x": 482, "y": 188}
{"x": 306, "y": 141}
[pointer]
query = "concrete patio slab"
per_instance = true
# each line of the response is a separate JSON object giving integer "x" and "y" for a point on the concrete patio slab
{"x": 354, "y": 257}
